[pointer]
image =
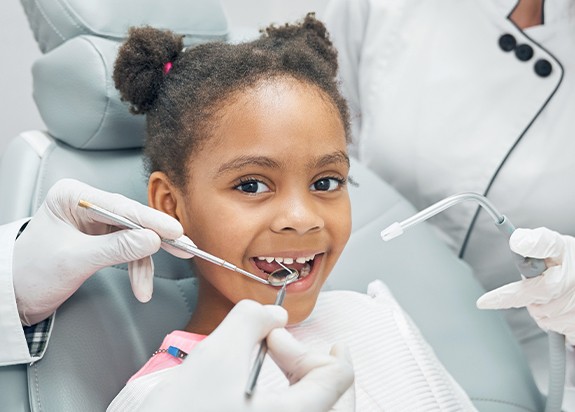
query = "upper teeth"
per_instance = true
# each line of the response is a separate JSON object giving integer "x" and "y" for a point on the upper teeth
{"x": 287, "y": 261}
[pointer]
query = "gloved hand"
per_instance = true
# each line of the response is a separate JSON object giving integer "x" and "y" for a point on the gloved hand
{"x": 215, "y": 373}
{"x": 64, "y": 244}
{"x": 549, "y": 298}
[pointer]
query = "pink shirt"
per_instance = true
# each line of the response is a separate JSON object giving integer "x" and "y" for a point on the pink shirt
{"x": 184, "y": 341}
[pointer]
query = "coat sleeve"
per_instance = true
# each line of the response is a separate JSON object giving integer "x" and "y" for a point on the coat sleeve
{"x": 13, "y": 340}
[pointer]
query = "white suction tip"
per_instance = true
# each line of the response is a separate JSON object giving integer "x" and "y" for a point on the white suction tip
{"x": 392, "y": 231}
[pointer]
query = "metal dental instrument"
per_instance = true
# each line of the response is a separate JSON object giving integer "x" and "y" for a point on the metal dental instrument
{"x": 258, "y": 362}
{"x": 172, "y": 242}
{"x": 278, "y": 277}
{"x": 528, "y": 267}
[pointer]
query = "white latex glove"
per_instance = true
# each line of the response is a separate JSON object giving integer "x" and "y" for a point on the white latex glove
{"x": 65, "y": 244}
{"x": 215, "y": 373}
{"x": 549, "y": 298}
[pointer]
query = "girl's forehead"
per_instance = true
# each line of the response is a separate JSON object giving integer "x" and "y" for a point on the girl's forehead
{"x": 282, "y": 122}
{"x": 284, "y": 107}
{"x": 295, "y": 130}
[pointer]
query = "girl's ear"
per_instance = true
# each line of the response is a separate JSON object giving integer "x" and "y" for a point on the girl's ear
{"x": 163, "y": 195}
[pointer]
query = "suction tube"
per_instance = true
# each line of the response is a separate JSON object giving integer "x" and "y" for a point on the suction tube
{"x": 528, "y": 267}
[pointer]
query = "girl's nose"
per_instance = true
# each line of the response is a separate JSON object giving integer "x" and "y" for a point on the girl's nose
{"x": 298, "y": 214}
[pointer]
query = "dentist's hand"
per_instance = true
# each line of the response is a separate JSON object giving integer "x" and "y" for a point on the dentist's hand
{"x": 64, "y": 244}
{"x": 549, "y": 298}
{"x": 215, "y": 373}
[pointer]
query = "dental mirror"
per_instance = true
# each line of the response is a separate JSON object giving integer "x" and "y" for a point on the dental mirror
{"x": 278, "y": 277}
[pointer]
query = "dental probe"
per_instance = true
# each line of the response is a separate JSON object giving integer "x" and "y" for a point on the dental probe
{"x": 528, "y": 267}
{"x": 178, "y": 244}
{"x": 258, "y": 362}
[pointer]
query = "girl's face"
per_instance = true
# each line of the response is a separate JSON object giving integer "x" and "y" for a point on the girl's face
{"x": 269, "y": 185}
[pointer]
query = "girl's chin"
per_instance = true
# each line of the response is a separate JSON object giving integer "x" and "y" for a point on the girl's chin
{"x": 298, "y": 314}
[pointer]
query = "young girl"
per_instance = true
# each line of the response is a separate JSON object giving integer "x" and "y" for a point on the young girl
{"x": 247, "y": 148}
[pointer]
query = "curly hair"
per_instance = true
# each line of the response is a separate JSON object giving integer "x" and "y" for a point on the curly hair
{"x": 181, "y": 91}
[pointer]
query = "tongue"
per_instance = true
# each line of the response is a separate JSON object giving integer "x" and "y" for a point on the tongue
{"x": 272, "y": 266}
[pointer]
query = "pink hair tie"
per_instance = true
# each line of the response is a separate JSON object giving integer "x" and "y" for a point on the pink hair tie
{"x": 167, "y": 67}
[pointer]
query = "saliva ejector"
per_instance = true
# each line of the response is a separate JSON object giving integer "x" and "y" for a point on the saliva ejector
{"x": 527, "y": 266}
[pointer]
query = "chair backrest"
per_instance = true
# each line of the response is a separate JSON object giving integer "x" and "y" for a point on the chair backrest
{"x": 102, "y": 335}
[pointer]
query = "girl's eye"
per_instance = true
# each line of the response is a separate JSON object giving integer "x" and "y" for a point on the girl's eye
{"x": 252, "y": 187}
{"x": 327, "y": 184}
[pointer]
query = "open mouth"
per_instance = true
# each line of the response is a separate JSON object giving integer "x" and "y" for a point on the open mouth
{"x": 269, "y": 264}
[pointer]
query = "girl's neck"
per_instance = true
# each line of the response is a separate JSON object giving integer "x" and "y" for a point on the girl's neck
{"x": 207, "y": 316}
{"x": 528, "y": 13}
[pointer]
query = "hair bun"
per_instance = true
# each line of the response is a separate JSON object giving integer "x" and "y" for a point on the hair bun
{"x": 140, "y": 68}
{"x": 313, "y": 33}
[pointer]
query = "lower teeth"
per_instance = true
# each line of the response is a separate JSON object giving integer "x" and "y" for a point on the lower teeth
{"x": 305, "y": 270}
{"x": 278, "y": 277}
{"x": 281, "y": 276}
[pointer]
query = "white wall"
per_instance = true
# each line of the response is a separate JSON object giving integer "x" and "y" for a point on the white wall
{"x": 260, "y": 13}
{"x": 18, "y": 50}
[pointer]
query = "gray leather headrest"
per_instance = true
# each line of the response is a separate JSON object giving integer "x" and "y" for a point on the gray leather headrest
{"x": 56, "y": 21}
{"x": 76, "y": 97}
{"x": 73, "y": 86}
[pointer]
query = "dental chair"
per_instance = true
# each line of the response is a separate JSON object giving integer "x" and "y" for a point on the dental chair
{"x": 102, "y": 335}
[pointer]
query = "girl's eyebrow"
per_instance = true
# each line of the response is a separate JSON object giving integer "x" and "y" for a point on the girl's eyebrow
{"x": 331, "y": 158}
{"x": 243, "y": 161}
{"x": 264, "y": 161}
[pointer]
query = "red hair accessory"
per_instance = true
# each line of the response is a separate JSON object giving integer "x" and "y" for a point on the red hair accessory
{"x": 167, "y": 67}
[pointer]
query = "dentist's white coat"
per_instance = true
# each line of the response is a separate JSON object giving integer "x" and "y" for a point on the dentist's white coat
{"x": 439, "y": 108}
{"x": 12, "y": 339}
